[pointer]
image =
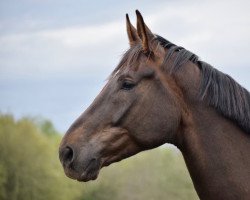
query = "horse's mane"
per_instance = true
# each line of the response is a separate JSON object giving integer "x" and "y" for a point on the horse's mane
{"x": 219, "y": 90}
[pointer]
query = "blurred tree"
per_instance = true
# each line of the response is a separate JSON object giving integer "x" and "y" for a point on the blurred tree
{"x": 45, "y": 126}
{"x": 29, "y": 166}
{"x": 48, "y": 128}
{"x": 3, "y": 180}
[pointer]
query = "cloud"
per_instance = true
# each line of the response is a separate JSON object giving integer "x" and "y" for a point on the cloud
{"x": 217, "y": 30}
{"x": 75, "y": 37}
{"x": 72, "y": 48}
{"x": 220, "y": 38}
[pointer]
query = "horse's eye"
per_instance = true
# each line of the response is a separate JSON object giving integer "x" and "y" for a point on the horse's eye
{"x": 127, "y": 85}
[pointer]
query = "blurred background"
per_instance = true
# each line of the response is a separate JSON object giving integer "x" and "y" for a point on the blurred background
{"x": 55, "y": 56}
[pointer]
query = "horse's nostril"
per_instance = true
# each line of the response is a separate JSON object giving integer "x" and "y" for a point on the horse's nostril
{"x": 67, "y": 155}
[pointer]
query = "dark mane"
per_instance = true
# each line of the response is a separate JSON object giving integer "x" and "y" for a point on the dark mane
{"x": 219, "y": 90}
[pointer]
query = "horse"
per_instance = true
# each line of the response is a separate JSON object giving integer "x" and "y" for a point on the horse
{"x": 162, "y": 93}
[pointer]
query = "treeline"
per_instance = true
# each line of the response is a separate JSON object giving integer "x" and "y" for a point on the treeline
{"x": 30, "y": 169}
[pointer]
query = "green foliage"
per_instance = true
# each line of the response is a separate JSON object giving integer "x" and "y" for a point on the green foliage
{"x": 47, "y": 127}
{"x": 29, "y": 166}
{"x": 30, "y": 169}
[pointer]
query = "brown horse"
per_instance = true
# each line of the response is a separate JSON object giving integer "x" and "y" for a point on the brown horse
{"x": 162, "y": 93}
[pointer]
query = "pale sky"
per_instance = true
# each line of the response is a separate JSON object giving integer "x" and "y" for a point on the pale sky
{"x": 55, "y": 55}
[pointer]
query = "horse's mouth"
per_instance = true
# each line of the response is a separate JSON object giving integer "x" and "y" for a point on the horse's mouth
{"x": 87, "y": 176}
{"x": 88, "y": 173}
{"x": 91, "y": 172}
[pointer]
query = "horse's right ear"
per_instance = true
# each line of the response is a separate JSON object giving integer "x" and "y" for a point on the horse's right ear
{"x": 132, "y": 33}
{"x": 144, "y": 33}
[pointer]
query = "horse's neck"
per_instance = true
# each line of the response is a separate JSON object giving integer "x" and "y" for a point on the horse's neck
{"x": 217, "y": 154}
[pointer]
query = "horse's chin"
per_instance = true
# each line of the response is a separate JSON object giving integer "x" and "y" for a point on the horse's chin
{"x": 87, "y": 176}
{"x": 91, "y": 172}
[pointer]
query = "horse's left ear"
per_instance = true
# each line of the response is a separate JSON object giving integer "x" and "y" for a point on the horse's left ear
{"x": 144, "y": 33}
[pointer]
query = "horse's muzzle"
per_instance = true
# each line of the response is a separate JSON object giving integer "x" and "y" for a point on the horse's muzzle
{"x": 81, "y": 166}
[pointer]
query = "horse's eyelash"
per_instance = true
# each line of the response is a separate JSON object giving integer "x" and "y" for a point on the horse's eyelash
{"x": 124, "y": 77}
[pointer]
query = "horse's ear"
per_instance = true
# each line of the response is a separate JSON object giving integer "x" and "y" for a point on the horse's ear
{"x": 132, "y": 33}
{"x": 144, "y": 32}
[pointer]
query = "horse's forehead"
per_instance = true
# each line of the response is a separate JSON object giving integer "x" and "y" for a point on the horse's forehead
{"x": 128, "y": 68}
